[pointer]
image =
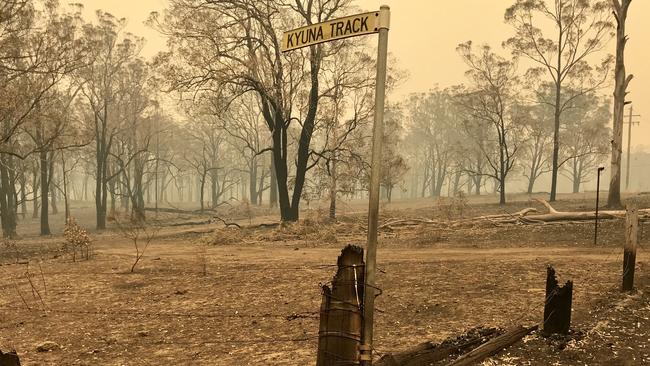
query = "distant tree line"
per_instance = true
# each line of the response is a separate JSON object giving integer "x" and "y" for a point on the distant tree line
{"x": 224, "y": 117}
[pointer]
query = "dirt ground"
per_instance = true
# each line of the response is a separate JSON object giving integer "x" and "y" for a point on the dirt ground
{"x": 205, "y": 295}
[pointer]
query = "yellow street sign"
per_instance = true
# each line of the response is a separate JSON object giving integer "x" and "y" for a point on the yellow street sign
{"x": 355, "y": 25}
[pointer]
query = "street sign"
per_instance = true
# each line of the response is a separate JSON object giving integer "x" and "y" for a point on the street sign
{"x": 357, "y": 25}
{"x": 352, "y": 26}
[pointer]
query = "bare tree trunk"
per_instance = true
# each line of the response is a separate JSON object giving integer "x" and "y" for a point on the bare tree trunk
{"x": 7, "y": 204}
{"x": 577, "y": 175}
{"x": 556, "y": 140}
{"x": 280, "y": 160}
{"x": 531, "y": 178}
{"x": 214, "y": 188}
{"x": 502, "y": 175}
{"x": 620, "y": 91}
{"x": 23, "y": 196}
{"x": 273, "y": 193}
{"x": 85, "y": 187}
{"x": 45, "y": 190}
{"x": 36, "y": 185}
{"x": 333, "y": 188}
{"x": 111, "y": 186}
{"x": 252, "y": 182}
{"x": 14, "y": 193}
{"x": 65, "y": 189}
{"x": 202, "y": 190}
{"x": 100, "y": 191}
{"x": 190, "y": 189}
{"x": 260, "y": 187}
{"x": 179, "y": 189}
{"x": 137, "y": 193}
{"x": 52, "y": 184}
{"x": 425, "y": 179}
{"x": 457, "y": 176}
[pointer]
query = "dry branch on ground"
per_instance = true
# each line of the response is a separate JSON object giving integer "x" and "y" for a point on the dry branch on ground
{"x": 526, "y": 216}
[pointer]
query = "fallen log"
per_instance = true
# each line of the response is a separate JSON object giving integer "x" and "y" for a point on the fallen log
{"x": 181, "y": 211}
{"x": 526, "y": 216}
{"x": 493, "y": 346}
{"x": 428, "y": 353}
{"x": 189, "y": 223}
{"x": 228, "y": 224}
{"x": 407, "y": 222}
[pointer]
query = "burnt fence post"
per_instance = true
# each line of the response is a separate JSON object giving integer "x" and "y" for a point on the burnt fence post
{"x": 341, "y": 320}
{"x": 629, "y": 251}
{"x": 9, "y": 359}
{"x": 557, "y": 307}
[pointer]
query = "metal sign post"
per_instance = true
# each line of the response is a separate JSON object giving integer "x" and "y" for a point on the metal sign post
{"x": 375, "y": 174}
{"x": 357, "y": 25}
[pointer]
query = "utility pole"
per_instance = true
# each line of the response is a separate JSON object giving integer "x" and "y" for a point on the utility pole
{"x": 629, "y": 145}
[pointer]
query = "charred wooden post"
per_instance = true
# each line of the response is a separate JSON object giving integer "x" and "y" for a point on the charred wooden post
{"x": 493, "y": 346}
{"x": 429, "y": 353}
{"x": 9, "y": 359}
{"x": 557, "y": 307}
{"x": 341, "y": 311}
{"x": 629, "y": 251}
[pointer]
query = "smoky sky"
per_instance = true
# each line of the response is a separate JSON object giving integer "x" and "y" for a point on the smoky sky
{"x": 423, "y": 39}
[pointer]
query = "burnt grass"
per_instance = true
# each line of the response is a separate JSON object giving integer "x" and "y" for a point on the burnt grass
{"x": 215, "y": 297}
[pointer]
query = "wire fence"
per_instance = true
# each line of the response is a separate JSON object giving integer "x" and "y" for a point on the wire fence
{"x": 588, "y": 277}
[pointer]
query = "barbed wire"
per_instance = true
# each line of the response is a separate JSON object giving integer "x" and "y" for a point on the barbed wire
{"x": 233, "y": 341}
{"x": 135, "y": 312}
{"x": 161, "y": 272}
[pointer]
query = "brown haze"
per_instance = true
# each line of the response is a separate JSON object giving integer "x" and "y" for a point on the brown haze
{"x": 424, "y": 35}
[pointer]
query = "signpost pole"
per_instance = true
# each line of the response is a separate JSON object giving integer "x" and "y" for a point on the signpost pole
{"x": 373, "y": 208}
{"x": 352, "y": 26}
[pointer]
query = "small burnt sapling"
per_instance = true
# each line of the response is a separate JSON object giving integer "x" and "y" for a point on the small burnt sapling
{"x": 139, "y": 233}
{"x": 77, "y": 238}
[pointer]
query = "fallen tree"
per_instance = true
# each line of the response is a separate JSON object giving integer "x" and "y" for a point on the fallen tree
{"x": 526, "y": 216}
{"x": 468, "y": 349}
{"x": 493, "y": 346}
{"x": 429, "y": 353}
